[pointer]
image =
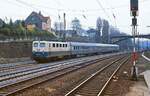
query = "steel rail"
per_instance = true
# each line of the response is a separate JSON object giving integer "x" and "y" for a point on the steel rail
{"x": 88, "y": 63}
{"x": 70, "y": 93}
{"x": 106, "y": 84}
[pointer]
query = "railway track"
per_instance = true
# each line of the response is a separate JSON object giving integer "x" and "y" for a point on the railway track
{"x": 25, "y": 65}
{"x": 40, "y": 68}
{"x": 10, "y": 88}
{"x": 14, "y": 68}
{"x": 96, "y": 83}
{"x": 8, "y": 68}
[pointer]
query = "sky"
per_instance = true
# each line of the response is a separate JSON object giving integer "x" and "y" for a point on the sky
{"x": 87, "y": 11}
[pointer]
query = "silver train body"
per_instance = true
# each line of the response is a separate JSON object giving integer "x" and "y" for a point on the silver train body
{"x": 44, "y": 50}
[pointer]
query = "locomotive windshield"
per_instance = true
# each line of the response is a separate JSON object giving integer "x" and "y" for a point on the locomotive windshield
{"x": 35, "y": 45}
{"x": 42, "y": 44}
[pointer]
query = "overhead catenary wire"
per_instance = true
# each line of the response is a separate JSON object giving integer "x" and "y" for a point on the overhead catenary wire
{"x": 99, "y": 3}
{"x": 24, "y": 3}
{"x": 68, "y": 9}
{"x": 32, "y": 6}
{"x": 113, "y": 14}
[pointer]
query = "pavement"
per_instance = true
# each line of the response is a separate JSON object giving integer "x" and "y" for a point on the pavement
{"x": 141, "y": 88}
{"x": 148, "y": 59}
{"x": 138, "y": 89}
{"x": 146, "y": 74}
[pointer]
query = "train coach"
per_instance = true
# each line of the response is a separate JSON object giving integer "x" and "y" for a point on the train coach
{"x": 46, "y": 50}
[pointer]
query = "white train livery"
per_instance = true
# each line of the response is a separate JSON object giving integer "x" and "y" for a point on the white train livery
{"x": 44, "y": 50}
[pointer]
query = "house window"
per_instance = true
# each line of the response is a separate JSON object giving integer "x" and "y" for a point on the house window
{"x": 32, "y": 18}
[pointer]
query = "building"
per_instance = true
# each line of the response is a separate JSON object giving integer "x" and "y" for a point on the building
{"x": 59, "y": 29}
{"x": 92, "y": 34}
{"x": 59, "y": 26}
{"x": 99, "y": 26}
{"x": 77, "y": 27}
{"x": 37, "y": 20}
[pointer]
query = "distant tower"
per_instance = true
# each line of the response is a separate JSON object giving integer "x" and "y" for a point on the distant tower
{"x": 105, "y": 32}
{"x": 76, "y": 26}
{"x": 99, "y": 25}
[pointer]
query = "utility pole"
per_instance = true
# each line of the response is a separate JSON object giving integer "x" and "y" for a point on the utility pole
{"x": 134, "y": 14}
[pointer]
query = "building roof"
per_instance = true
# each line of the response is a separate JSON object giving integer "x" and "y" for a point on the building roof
{"x": 44, "y": 19}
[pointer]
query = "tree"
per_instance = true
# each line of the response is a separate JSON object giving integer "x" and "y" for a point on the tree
{"x": 99, "y": 25}
{"x": 105, "y": 32}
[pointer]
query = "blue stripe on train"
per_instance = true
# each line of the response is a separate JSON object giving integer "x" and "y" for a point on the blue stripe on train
{"x": 40, "y": 54}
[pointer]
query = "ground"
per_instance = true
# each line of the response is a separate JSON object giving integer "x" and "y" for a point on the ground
{"x": 139, "y": 88}
{"x": 14, "y": 60}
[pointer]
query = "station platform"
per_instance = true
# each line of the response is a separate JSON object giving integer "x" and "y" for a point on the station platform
{"x": 148, "y": 59}
{"x": 146, "y": 74}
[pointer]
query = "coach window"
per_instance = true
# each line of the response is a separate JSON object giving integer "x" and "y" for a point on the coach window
{"x": 63, "y": 45}
{"x": 60, "y": 45}
{"x": 53, "y": 44}
{"x": 57, "y": 45}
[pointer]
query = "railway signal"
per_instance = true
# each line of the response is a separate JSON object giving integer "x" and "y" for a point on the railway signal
{"x": 134, "y": 7}
{"x": 134, "y": 12}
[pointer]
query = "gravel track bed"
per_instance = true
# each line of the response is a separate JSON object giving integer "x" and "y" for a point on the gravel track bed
{"x": 32, "y": 81}
{"x": 15, "y": 68}
{"x": 93, "y": 86}
{"x": 57, "y": 86}
{"x": 121, "y": 82}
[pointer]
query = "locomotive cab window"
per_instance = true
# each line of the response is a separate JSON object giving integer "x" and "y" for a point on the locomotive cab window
{"x": 42, "y": 44}
{"x": 35, "y": 44}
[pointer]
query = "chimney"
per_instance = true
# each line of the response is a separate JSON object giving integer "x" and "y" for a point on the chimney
{"x": 64, "y": 21}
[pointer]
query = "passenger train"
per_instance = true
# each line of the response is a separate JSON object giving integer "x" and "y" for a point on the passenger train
{"x": 46, "y": 50}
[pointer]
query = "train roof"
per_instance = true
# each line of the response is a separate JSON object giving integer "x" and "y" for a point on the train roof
{"x": 48, "y": 41}
{"x": 92, "y": 44}
{"x": 80, "y": 43}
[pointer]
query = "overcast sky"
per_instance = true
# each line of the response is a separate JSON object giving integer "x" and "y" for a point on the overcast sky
{"x": 87, "y": 11}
